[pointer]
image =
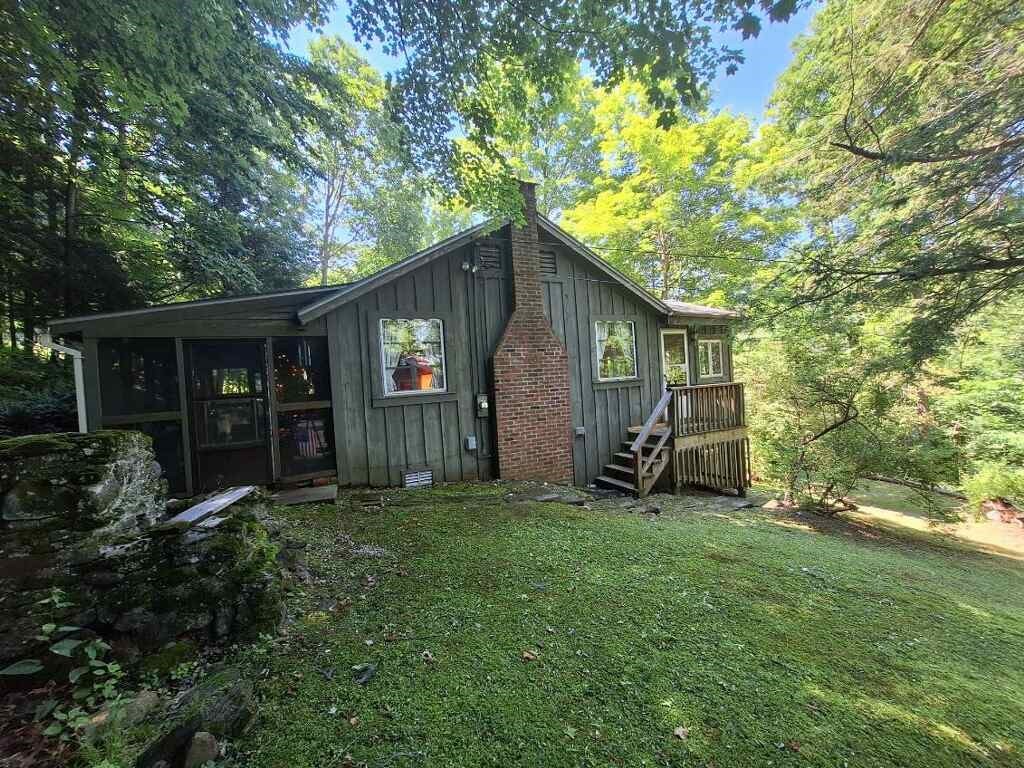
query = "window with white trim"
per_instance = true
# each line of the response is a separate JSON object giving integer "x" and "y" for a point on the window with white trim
{"x": 616, "y": 349}
{"x": 412, "y": 355}
{"x": 710, "y": 358}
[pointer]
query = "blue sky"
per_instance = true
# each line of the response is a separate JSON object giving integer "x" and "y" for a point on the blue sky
{"x": 745, "y": 92}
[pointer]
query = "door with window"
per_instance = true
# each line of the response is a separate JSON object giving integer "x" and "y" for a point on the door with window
{"x": 674, "y": 358}
{"x": 228, "y": 399}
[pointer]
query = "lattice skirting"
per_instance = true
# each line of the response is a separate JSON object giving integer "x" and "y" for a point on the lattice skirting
{"x": 716, "y": 465}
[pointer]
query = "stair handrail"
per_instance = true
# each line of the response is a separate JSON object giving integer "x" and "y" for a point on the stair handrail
{"x": 640, "y": 467}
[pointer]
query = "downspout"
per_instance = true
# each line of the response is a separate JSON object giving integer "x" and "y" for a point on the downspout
{"x": 45, "y": 340}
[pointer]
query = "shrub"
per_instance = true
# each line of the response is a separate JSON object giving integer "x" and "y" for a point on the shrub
{"x": 995, "y": 481}
{"x": 35, "y": 395}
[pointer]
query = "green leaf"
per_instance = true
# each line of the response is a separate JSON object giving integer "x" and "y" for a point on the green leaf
{"x": 67, "y": 628}
{"x": 65, "y": 647}
{"x": 53, "y": 729}
{"x": 76, "y": 673}
{"x": 23, "y": 667}
{"x": 45, "y": 708}
{"x": 48, "y": 628}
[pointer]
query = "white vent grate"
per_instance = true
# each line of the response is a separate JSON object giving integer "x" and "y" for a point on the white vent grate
{"x": 418, "y": 479}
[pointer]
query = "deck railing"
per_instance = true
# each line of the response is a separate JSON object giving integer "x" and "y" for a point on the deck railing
{"x": 707, "y": 408}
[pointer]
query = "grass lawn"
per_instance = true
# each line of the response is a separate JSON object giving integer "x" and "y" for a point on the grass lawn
{"x": 688, "y": 638}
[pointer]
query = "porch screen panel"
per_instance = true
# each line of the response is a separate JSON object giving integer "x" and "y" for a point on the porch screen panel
{"x": 139, "y": 391}
{"x": 302, "y": 386}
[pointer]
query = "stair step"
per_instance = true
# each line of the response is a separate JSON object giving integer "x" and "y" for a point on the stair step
{"x": 646, "y": 447}
{"x": 617, "y": 470}
{"x": 618, "y": 485}
{"x": 659, "y": 429}
{"x": 625, "y": 458}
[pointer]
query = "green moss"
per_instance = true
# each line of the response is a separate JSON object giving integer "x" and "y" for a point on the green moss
{"x": 14, "y": 448}
{"x": 170, "y": 656}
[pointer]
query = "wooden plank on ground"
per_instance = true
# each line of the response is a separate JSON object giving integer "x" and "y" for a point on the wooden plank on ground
{"x": 311, "y": 495}
{"x": 207, "y": 507}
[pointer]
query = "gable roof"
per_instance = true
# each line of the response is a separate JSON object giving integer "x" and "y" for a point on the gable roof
{"x": 346, "y": 294}
{"x": 317, "y": 301}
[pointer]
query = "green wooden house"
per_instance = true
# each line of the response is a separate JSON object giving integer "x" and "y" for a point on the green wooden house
{"x": 509, "y": 351}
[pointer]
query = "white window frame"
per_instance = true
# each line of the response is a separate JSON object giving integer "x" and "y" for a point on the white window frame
{"x": 597, "y": 352}
{"x": 721, "y": 359}
{"x": 686, "y": 352}
{"x": 384, "y": 368}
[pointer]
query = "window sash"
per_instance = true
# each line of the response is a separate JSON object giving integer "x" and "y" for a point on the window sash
{"x": 602, "y": 333}
{"x": 711, "y": 358}
{"x": 391, "y": 357}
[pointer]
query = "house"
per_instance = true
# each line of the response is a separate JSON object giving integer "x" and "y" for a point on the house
{"x": 511, "y": 352}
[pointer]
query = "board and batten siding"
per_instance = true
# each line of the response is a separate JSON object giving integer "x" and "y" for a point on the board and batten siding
{"x": 574, "y": 298}
{"x": 378, "y": 438}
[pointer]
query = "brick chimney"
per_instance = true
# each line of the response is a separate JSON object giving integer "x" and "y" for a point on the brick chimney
{"x": 531, "y": 372}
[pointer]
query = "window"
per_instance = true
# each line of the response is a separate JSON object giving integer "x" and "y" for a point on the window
{"x": 616, "y": 349}
{"x": 412, "y": 356}
{"x": 709, "y": 358}
{"x": 673, "y": 345}
{"x": 301, "y": 369}
{"x": 138, "y": 376}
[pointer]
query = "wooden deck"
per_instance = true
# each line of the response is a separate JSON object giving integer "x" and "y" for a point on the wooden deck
{"x": 711, "y": 448}
{"x": 700, "y": 431}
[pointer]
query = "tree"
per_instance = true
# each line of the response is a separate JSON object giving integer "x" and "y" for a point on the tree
{"x": 674, "y": 207}
{"x": 903, "y": 125}
{"x": 449, "y": 53}
{"x": 368, "y": 205}
{"x": 149, "y": 151}
{"x": 828, "y": 399}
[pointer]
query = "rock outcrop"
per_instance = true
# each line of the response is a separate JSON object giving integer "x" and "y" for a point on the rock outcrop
{"x": 81, "y": 514}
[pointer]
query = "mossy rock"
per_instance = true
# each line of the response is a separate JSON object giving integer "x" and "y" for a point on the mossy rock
{"x": 172, "y": 655}
{"x": 14, "y": 448}
{"x": 224, "y": 703}
{"x": 81, "y": 482}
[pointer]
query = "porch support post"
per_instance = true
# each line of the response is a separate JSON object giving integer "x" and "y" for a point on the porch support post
{"x": 183, "y": 404}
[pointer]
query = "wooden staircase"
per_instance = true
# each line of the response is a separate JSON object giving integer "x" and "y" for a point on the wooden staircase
{"x": 637, "y": 467}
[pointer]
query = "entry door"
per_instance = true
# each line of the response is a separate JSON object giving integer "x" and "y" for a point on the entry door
{"x": 674, "y": 362}
{"x": 228, "y": 393}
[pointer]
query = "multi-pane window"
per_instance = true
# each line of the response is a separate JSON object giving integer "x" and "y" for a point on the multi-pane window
{"x": 616, "y": 349}
{"x": 412, "y": 356}
{"x": 709, "y": 358}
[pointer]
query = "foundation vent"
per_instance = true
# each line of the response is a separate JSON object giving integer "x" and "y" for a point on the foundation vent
{"x": 419, "y": 478}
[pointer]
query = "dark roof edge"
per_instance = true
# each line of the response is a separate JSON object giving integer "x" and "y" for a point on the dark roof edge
{"x": 327, "y": 304}
{"x": 568, "y": 240}
{"x": 72, "y": 323}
